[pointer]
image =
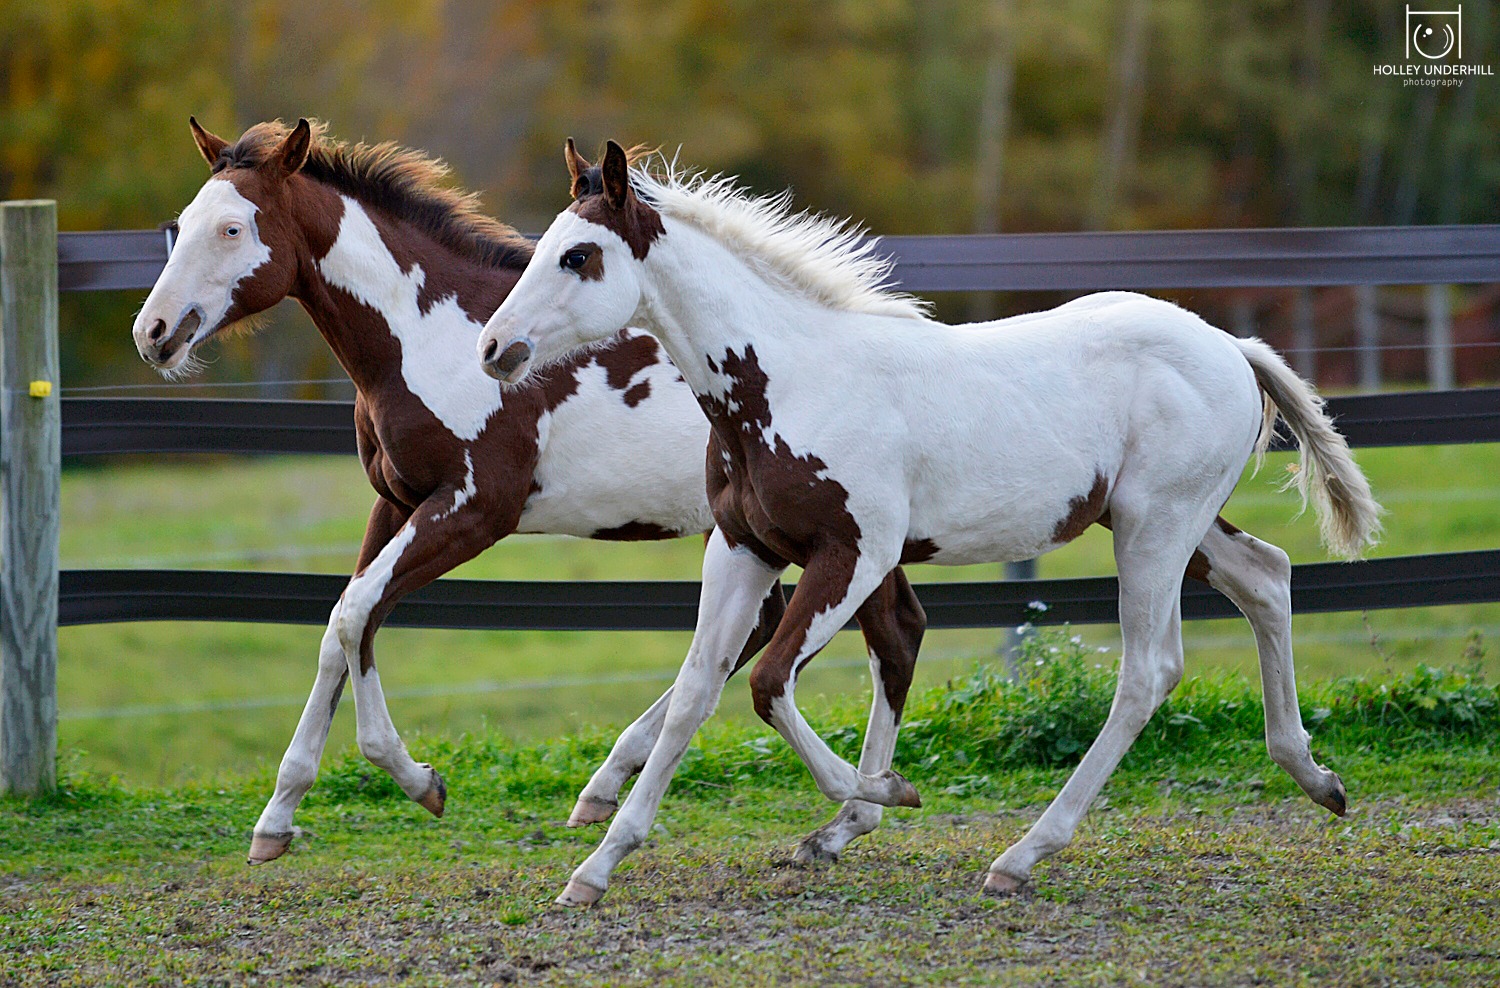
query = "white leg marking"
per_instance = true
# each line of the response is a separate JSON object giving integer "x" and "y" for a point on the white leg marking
{"x": 378, "y": 739}
{"x": 1257, "y": 576}
{"x": 858, "y": 817}
{"x": 1151, "y": 569}
{"x": 299, "y": 766}
{"x": 735, "y": 584}
{"x": 601, "y": 796}
{"x": 836, "y": 778}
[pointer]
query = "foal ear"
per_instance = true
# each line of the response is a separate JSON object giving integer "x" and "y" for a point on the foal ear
{"x": 577, "y": 165}
{"x": 209, "y": 145}
{"x": 616, "y": 173}
{"x": 292, "y": 154}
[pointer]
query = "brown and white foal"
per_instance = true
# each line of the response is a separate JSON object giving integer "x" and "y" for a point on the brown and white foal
{"x": 856, "y": 433}
{"x": 399, "y": 273}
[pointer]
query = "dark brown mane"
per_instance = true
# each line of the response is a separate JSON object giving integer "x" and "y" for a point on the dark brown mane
{"x": 403, "y": 182}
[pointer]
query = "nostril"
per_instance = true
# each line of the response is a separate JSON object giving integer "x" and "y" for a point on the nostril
{"x": 157, "y": 329}
{"x": 490, "y": 349}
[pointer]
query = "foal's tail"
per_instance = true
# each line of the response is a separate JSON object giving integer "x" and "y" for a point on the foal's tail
{"x": 1348, "y": 515}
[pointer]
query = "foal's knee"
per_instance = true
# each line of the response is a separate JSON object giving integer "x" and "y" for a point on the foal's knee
{"x": 767, "y": 685}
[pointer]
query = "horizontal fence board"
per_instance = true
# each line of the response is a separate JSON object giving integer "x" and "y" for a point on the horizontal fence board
{"x": 105, "y": 596}
{"x": 1197, "y": 259}
{"x": 104, "y": 426}
{"x": 1075, "y": 262}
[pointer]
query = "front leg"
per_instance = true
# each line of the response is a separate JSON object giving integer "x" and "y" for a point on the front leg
{"x": 299, "y": 766}
{"x": 892, "y": 622}
{"x": 600, "y": 798}
{"x": 446, "y": 530}
{"x": 735, "y": 585}
{"x": 834, "y": 584}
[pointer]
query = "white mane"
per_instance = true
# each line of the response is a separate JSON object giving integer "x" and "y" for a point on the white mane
{"x": 828, "y": 259}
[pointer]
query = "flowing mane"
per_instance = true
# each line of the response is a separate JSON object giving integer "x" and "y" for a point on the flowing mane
{"x": 829, "y": 259}
{"x": 403, "y": 181}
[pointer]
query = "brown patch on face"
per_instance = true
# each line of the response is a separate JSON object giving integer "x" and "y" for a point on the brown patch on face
{"x": 635, "y": 531}
{"x": 635, "y": 222}
{"x": 593, "y": 265}
{"x": 1083, "y": 511}
{"x": 918, "y": 550}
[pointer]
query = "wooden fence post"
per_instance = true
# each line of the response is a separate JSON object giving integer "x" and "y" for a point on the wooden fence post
{"x": 30, "y": 468}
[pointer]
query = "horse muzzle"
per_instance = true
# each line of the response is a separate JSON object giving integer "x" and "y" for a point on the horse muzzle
{"x": 507, "y": 364}
{"x": 161, "y": 348}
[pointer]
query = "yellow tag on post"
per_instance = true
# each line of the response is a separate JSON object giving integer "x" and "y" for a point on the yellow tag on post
{"x": 41, "y": 389}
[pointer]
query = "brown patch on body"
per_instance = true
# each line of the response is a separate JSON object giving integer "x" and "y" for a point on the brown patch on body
{"x": 789, "y": 513}
{"x": 635, "y": 531}
{"x": 623, "y": 361}
{"x": 1198, "y": 567}
{"x": 918, "y": 550}
{"x": 1083, "y": 511}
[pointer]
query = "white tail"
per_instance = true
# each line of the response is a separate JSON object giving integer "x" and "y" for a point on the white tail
{"x": 1348, "y": 515}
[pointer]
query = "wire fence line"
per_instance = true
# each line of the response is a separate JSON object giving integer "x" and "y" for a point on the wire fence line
{"x": 481, "y": 687}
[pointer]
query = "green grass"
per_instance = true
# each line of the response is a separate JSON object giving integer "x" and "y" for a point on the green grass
{"x": 1201, "y": 865}
{"x": 233, "y": 692}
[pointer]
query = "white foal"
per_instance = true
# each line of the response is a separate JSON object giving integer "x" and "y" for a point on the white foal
{"x": 854, "y": 434}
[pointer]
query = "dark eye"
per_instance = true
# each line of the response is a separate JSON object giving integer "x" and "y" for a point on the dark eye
{"x": 575, "y": 259}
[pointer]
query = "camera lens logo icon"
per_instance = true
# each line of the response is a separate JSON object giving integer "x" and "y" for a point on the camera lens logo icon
{"x": 1435, "y": 34}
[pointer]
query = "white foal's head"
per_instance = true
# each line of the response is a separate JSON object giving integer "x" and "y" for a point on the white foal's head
{"x": 229, "y": 261}
{"x": 583, "y": 284}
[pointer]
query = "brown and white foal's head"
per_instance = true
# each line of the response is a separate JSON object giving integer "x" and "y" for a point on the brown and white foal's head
{"x": 583, "y": 283}
{"x": 235, "y": 254}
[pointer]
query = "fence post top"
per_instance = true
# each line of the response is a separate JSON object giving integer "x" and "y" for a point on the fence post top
{"x": 28, "y": 203}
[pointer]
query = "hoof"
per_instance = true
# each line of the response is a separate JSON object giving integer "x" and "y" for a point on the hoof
{"x": 436, "y": 796}
{"x": 590, "y": 809}
{"x": 1335, "y": 802}
{"x": 998, "y": 884}
{"x": 812, "y": 852}
{"x": 579, "y": 895}
{"x": 901, "y": 792}
{"x": 267, "y": 847}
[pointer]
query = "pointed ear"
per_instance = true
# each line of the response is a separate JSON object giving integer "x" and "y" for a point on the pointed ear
{"x": 577, "y": 165}
{"x": 292, "y": 154}
{"x": 209, "y": 145}
{"x": 616, "y": 172}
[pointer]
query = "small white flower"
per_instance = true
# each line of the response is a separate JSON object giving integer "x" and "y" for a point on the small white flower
{"x": 1038, "y": 606}
{"x": 1076, "y": 639}
{"x": 1102, "y": 649}
{"x": 1022, "y": 629}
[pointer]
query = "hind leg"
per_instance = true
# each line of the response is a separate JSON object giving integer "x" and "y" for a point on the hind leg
{"x": 892, "y": 621}
{"x": 1152, "y": 548}
{"x": 1257, "y": 576}
{"x": 600, "y": 797}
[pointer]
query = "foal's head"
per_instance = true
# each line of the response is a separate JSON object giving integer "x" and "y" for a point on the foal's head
{"x": 584, "y": 282}
{"x": 235, "y": 253}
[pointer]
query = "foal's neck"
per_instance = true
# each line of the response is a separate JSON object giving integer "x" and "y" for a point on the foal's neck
{"x": 702, "y": 301}
{"x": 377, "y": 282}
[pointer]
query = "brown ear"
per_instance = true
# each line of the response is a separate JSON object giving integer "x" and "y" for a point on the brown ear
{"x": 577, "y": 165}
{"x": 292, "y": 154}
{"x": 209, "y": 145}
{"x": 616, "y": 173}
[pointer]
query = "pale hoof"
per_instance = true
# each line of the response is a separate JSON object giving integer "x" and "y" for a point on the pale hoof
{"x": 812, "y": 852}
{"x": 999, "y": 884}
{"x": 436, "y": 796}
{"x": 591, "y": 809}
{"x": 900, "y": 792}
{"x": 579, "y": 895}
{"x": 1335, "y": 800}
{"x": 267, "y": 847}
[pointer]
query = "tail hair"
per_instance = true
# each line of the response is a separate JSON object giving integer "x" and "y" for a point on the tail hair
{"x": 1348, "y": 515}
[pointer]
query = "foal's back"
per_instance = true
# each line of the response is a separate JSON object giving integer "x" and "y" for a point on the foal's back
{"x": 999, "y": 429}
